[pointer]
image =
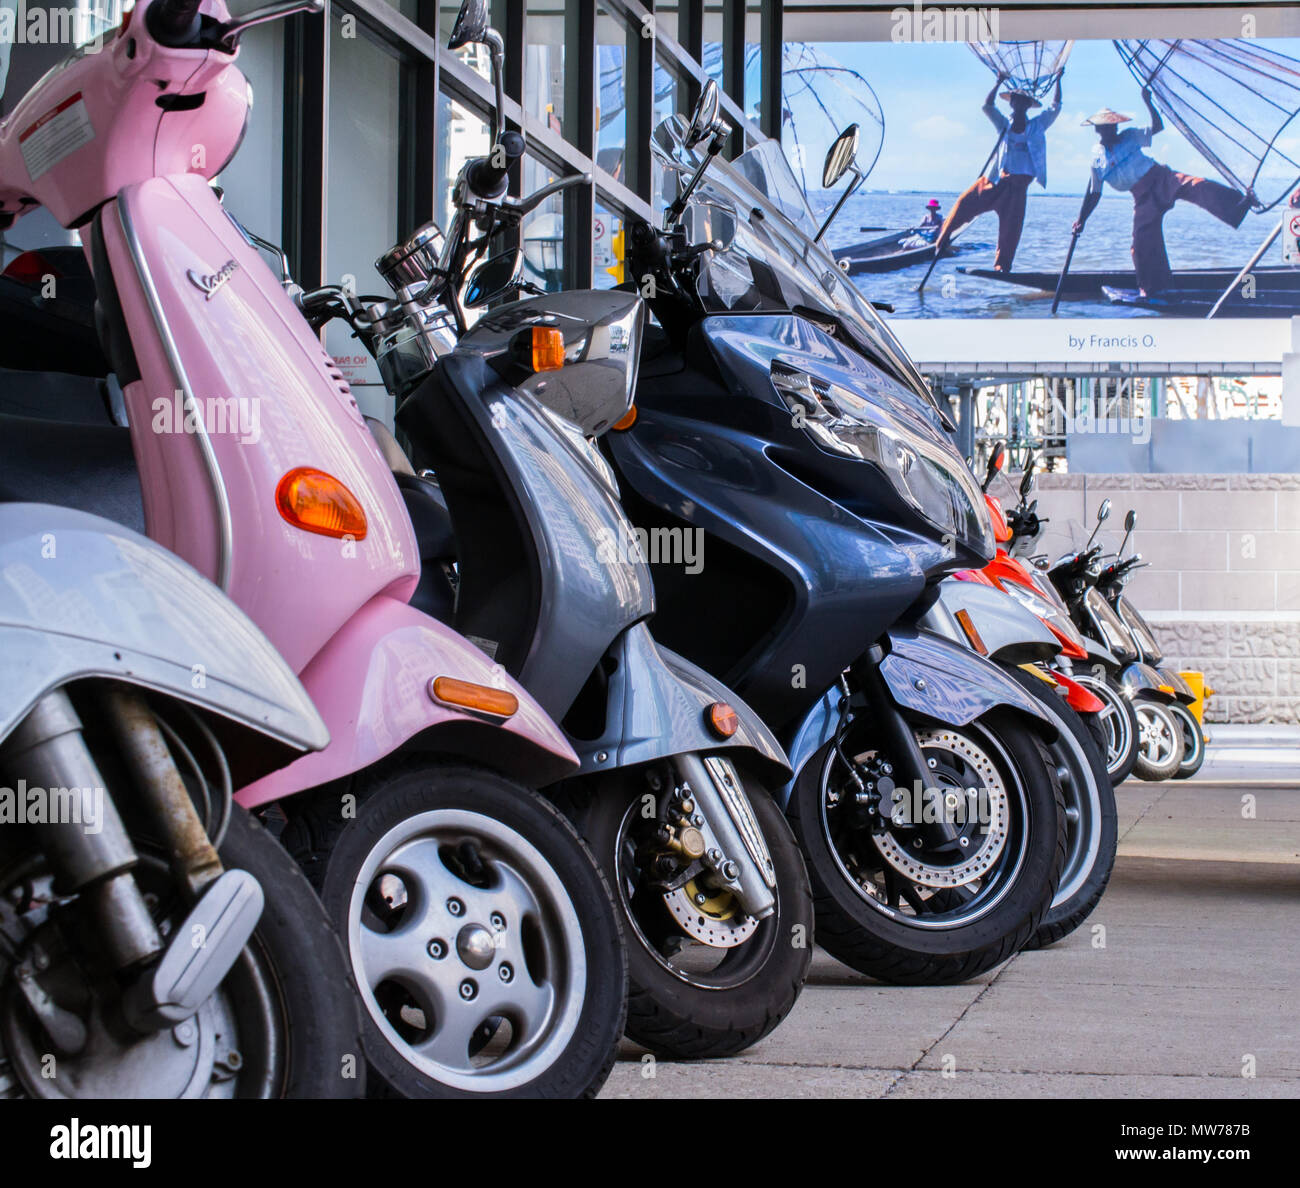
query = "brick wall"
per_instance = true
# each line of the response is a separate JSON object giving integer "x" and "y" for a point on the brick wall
{"x": 1223, "y": 587}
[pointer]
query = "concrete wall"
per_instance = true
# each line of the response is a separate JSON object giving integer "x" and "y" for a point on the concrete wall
{"x": 1223, "y": 588}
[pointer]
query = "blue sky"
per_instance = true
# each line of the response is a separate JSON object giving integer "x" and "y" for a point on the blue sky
{"x": 936, "y": 136}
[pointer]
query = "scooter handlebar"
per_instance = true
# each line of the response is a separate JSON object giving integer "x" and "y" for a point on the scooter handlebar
{"x": 488, "y": 179}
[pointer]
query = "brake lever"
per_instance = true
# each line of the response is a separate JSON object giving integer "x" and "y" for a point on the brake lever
{"x": 523, "y": 206}
{"x": 230, "y": 33}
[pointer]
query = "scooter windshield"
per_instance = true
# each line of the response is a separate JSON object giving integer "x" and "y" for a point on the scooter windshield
{"x": 770, "y": 260}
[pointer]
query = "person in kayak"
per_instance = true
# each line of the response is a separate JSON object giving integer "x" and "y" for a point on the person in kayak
{"x": 1019, "y": 159}
{"x": 1118, "y": 161}
{"x": 925, "y": 231}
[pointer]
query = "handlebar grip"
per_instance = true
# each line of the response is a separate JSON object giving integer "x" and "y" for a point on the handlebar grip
{"x": 174, "y": 23}
{"x": 488, "y": 180}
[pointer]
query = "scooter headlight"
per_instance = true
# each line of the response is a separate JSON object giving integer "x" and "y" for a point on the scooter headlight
{"x": 928, "y": 474}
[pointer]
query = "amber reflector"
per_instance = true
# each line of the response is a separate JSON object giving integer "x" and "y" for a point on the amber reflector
{"x": 626, "y": 421}
{"x": 466, "y": 694}
{"x": 548, "y": 348}
{"x": 722, "y": 719}
{"x": 317, "y": 502}
{"x": 976, "y": 642}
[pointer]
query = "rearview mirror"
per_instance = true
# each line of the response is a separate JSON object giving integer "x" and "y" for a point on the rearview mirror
{"x": 471, "y": 24}
{"x": 1103, "y": 512}
{"x": 840, "y": 156}
{"x": 704, "y": 119}
{"x": 1130, "y": 520}
{"x": 997, "y": 458}
{"x": 496, "y": 277}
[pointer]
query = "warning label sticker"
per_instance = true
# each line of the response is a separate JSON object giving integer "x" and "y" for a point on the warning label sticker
{"x": 57, "y": 133}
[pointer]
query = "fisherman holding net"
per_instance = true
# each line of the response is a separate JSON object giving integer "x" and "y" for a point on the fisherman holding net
{"x": 1019, "y": 159}
{"x": 1118, "y": 161}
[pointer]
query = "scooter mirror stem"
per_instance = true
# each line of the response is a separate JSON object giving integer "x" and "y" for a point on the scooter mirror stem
{"x": 233, "y": 30}
{"x": 858, "y": 178}
{"x": 674, "y": 212}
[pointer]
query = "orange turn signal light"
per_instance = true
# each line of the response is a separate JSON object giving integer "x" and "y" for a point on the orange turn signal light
{"x": 722, "y": 719}
{"x": 626, "y": 421}
{"x": 1165, "y": 688}
{"x": 548, "y": 348}
{"x": 968, "y": 626}
{"x": 467, "y": 695}
{"x": 317, "y": 502}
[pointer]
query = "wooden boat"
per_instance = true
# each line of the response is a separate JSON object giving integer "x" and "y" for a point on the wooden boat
{"x": 887, "y": 253}
{"x": 1277, "y": 288}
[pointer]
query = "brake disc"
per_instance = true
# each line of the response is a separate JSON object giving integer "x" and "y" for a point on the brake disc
{"x": 717, "y": 922}
{"x": 991, "y": 835}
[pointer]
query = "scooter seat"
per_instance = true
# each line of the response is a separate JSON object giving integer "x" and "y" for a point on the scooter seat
{"x": 87, "y": 467}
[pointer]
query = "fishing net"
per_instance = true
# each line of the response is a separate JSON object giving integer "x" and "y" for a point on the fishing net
{"x": 819, "y": 99}
{"x": 1032, "y": 66}
{"x": 1235, "y": 101}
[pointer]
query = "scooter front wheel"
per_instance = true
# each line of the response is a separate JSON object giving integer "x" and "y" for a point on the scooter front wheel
{"x": 1115, "y": 727}
{"x": 906, "y": 899}
{"x": 709, "y": 981}
{"x": 1160, "y": 741}
{"x": 481, "y": 934}
{"x": 283, "y": 1023}
{"x": 1193, "y": 741}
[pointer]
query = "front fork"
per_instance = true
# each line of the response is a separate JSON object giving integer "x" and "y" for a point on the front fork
{"x": 167, "y": 981}
{"x": 706, "y": 818}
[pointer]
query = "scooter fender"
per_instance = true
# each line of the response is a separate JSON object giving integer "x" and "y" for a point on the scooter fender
{"x": 1182, "y": 690}
{"x": 1141, "y": 680}
{"x": 1100, "y": 654}
{"x": 81, "y": 596}
{"x": 952, "y": 684}
{"x": 1008, "y": 631}
{"x": 657, "y": 706}
{"x": 931, "y": 675}
{"x": 373, "y": 683}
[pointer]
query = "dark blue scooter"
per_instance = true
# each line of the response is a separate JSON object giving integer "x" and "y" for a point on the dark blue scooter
{"x": 782, "y": 425}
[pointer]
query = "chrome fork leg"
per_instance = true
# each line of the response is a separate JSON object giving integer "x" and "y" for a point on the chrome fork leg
{"x": 47, "y": 750}
{"x": 155, "y": 776}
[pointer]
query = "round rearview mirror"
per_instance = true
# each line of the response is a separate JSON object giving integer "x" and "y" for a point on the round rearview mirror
{"x": 497, "y": 276}
{"x": 840, "y": 156}
{"x": 704, "y": 119}
{"x": 1130, "y": 520}
{"x": 471, "y": 24}
{"x": 1103, "y": 512}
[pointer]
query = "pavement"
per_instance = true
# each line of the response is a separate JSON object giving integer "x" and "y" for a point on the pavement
{"x": 1183, "y": 982}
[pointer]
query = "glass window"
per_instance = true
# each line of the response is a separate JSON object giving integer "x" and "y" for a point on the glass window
{"x": 544, "y": 62}
{"x": 753, "y": 98}
{"x": 462, "y": 133}
{"x": 543, "y": 230}
{"x": 607, "y": 254}
{"x": 713, "y": 42}
{"x": 363, "y": 189}
{"x": 611, "y": 93}
{"x": 252, "y": 180}
{"x": 667, "y": 90}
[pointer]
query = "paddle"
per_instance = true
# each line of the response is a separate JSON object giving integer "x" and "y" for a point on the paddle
{"x": 1236, "y": 280}
{"x": 1069, "y": 255}
{"x": 937, "y": 252}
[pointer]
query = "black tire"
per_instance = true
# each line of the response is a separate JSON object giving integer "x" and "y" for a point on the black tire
{"x": 489, "y": 814}
{"x": 1161, "y": 752}
{"x": 678, "y": 1019}
{"x": 1091, "y": 820}
{"x": 1123, "y": 726}
{"x": 294, "y": 936}
{"x": 286, "y": 1007}
{"x": 1193, "y": 742}
{"x": 854, "y": 928}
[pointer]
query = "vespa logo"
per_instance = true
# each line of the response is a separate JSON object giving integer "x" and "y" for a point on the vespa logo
{"x": 212, "y": 282}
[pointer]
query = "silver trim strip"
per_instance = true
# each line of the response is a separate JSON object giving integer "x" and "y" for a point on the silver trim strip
{"x": 225, "y": 530}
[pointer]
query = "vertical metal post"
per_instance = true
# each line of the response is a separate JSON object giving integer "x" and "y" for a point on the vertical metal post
{"x": 306, "y": 70}
{"x": 772, "y": 39}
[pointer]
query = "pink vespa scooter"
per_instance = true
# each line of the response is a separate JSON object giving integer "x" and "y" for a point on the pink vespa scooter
{"x": 494, "y": 956}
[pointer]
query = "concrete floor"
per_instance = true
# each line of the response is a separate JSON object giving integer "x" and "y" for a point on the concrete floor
{"x": 1184, "y": 977}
